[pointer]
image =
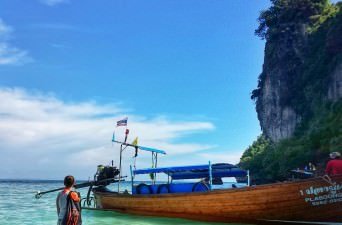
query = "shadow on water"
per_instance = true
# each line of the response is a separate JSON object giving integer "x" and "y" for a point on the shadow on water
{"x": 103, "y": 217}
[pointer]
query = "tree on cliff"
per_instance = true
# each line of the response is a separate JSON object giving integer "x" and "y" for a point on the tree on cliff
{"x": 284, "y": 14}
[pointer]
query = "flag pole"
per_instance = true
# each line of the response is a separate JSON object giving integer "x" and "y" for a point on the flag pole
{"x": 121, "y": 150}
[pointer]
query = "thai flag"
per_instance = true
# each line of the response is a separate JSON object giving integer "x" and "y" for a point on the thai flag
{"x": 122, "y": 122}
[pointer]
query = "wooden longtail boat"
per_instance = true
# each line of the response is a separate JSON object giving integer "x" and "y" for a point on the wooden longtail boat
{"x": 313, "y": 200}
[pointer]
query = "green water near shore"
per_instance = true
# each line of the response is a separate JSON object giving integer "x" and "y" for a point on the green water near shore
{"x": 19, "y": 206}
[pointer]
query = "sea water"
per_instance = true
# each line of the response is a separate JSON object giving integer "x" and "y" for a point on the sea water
{"x": 18, "y": 205}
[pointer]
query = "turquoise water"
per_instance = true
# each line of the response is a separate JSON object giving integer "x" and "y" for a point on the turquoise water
{"x": 19, "y": 206}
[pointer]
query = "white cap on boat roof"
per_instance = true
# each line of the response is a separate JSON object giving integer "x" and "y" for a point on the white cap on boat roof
{"x": 334, "y": 155}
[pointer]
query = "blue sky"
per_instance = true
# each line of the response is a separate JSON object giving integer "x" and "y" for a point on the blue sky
{"x": 182, "y": 71}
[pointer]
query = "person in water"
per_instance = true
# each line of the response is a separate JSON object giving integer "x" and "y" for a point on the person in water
{"x": 334, "y": 166}
{"x": 68, "y": 204}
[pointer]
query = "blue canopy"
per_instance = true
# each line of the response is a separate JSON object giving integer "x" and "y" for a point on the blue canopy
{"x": 197, "y": 171}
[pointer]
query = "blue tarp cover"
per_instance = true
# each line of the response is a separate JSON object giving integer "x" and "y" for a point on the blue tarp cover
{"x": 196, "y": 171}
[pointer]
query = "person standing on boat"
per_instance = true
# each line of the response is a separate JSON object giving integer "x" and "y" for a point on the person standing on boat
{"x": 68, "y": 204}
{"x": 334, "y": 166}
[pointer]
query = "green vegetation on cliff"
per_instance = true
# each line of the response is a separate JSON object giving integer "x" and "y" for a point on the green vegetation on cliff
{"x": 269, "y": 161}
{"x": 315, "y": 26}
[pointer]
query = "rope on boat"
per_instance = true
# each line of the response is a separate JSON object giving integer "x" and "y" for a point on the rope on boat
{"x": 89, "y": 203}
{"x": 328, "y": 179}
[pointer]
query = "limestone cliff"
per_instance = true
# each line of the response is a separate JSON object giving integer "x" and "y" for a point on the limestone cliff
{"x": 335, "y": 85}
{"x": 299, "y": 94}
{"x": 282, "y": 95}
{"x": 278, "y": 120}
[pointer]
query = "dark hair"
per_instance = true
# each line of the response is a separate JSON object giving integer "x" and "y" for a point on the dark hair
{"x": 69, "y": 181}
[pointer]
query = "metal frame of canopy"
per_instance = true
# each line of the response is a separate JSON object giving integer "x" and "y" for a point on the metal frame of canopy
{"x": 180, "y": 172}
{"x": 210, "y": 171}
{"x": 124, "y": 145}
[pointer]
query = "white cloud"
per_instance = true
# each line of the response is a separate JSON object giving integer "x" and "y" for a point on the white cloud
{"x": 42, "y": 136}
{"x": 10, "y": 55}
{"x": 53, "y": 2}
{"x": 4, "y": 30}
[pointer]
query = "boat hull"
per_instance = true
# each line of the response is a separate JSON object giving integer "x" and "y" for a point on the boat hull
{"x": 315, "y": 200}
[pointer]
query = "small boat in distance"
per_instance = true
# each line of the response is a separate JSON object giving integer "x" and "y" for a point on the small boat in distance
{"x": 309, "y": 201}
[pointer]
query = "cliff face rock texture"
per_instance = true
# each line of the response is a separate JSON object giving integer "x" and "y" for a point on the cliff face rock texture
{"x": 335, "y": 86}
{"x": 300, "y": 65}
{"x": 277, "y": 119}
